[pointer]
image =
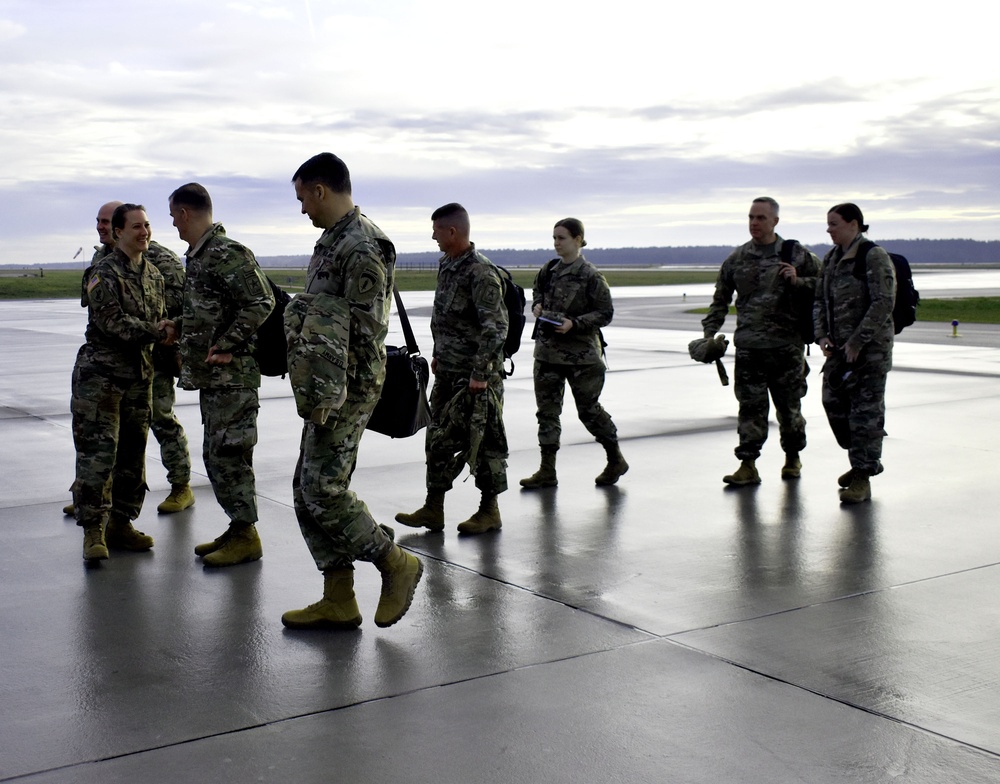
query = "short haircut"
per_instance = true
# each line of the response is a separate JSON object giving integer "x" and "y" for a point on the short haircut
{"x": 850, "y": 212}
{"x": 767, "y": 200}
{"x": 573, "y": 226}
{"x": 453, "y": 214}
{"x": 193, "y": 196}
{"x": 118, "y": 216}
{"x": 325, "y": 169}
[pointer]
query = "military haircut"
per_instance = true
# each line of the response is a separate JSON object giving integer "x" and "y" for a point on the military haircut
{"x": 118, "y": 216}
{"x": 767, "y": 200}
{"x": 325, "y": 169}
{"x": 453, "y": 214}
{"x": 193, "y": 196}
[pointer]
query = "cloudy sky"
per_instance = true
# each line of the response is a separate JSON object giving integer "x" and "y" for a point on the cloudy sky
{"x": 654, "y": 122}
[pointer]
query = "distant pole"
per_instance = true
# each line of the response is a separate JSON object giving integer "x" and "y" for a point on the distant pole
{"x": 954, "y": 329}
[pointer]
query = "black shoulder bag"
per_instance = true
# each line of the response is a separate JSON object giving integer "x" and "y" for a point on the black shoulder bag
{"x": 402, "y": 410}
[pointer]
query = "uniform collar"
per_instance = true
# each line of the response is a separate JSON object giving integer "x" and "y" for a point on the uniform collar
{"x": 330, "y": 236}
{"x": 217, "y": 228}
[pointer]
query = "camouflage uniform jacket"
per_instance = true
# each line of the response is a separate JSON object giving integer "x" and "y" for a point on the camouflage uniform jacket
{"x": 576, "y": 291}
{"x": 226, "y": 298}
{"x": 469, "y": 320}
{"x": 126, "y": 302}
{"x": 164, "y": 259}
{"x": 100, "y": 251}
{"x": 856, "y": 310}
{"x": 765, "y": 316}
{"x": 336, "y": 328}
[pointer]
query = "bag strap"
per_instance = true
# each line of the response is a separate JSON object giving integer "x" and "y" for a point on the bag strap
{"x": 411, "y": 341}
{"x": 788, "y": 250}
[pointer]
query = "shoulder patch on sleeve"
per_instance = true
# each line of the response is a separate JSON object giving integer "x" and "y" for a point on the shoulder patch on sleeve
{"x": 252, "y": 281}
{"x": 365, "y": 279}
{"x": 95, "y": 290}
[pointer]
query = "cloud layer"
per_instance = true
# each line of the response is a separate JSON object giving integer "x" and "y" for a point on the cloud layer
{"x": 655, "y": 126}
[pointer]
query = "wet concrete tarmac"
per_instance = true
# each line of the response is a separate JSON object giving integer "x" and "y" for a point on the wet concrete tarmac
{"x": 668, "y": 629}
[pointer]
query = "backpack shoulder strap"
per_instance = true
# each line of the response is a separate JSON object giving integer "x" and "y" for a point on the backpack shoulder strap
{"x": 788, "y": 250}
{"x": 859, "y": 260}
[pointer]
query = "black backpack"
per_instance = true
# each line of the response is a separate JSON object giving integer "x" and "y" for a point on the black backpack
{"x": 271, "y": 347}
{"x": 904, "y": 310}
{"x": 514, "y": 301}
{"x": 802, "y": 299}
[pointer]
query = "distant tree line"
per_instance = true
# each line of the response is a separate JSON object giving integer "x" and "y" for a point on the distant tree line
{"x": 917, "y": 251}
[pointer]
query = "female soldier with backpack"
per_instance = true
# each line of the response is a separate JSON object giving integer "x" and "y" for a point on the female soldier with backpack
{"x": 854, "y": 328}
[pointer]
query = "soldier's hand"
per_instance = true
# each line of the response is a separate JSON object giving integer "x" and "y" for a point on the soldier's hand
{"x": 566, "y": 326}
{"x": 476, "y": 386}
{"x": 788, "y": 272}
{"x": 169, "y": 330}
{"x": 216, "y": 357}
{"x": 827, "y": 347}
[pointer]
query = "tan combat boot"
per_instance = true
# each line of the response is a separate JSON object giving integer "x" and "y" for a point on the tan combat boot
{"x": 69, "y": 510}
{"x": 746, "y": 474}
{"x": 400, "y": 574}
{"x": 545, "y": 476}
{"x": 94, "y": 547}
{"x": 429, "y": 516}
{"x": 616, "y": 466}
{"x": 201, "y": 550}
{"x": 120, "y": 535}
{"x": 241, "y": 545}
{"x": 338, "y": 609}
{"x": 859, "y": 490}
{"x": 792, "y": 469}
{"x": 180, "y": 498}
{"x": 844, "y": 480}
{"x": 486, "y": 518}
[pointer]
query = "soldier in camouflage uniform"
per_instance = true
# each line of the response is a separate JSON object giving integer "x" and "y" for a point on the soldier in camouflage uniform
{"x": 166, "y": 427}
{"x": 770, "y": 354}
{"x": 853, "y": 320}
{"x": 469, "y": 325}
{"x": 571, "y": 301}
{"x": 226, "y": 298}
{"x": 111, "y": 389}
{"x": 336, "y": 333}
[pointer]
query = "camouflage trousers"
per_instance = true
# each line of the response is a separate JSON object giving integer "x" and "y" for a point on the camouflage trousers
{"x": 110, "y": 426}
{"x": 337, "y": 527}
{"x": 586, "y": 383}
{"x": 854, "y": 400}
{"x": 450, "y": 436}
{"x": 229, "y": 418}
{"x": 168, "y": 430}
{"x": 780, "y": 372}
